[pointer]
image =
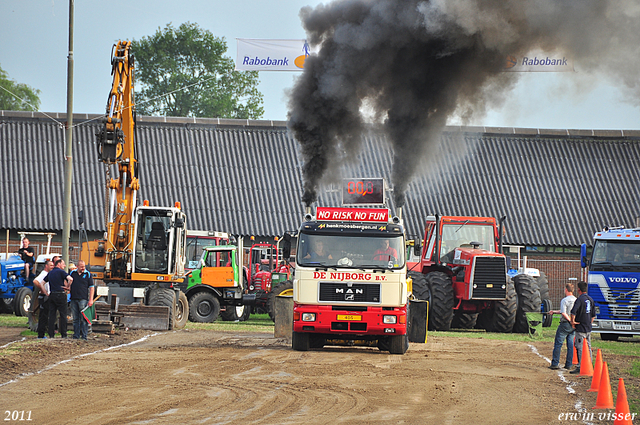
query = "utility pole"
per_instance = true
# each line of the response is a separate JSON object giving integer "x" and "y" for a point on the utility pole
{"x": 68, "y": 165}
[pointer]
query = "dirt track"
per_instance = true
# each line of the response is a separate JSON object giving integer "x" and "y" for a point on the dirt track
{"x": 223, "y": 377}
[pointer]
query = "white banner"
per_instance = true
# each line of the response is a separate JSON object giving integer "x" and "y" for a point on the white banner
{"x": 539, "y": 62}
{"x": 271, "y": 55}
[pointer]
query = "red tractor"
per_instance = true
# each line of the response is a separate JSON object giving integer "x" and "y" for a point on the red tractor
{"x": 463, "y": 274}
{"x": 268, "y": 274}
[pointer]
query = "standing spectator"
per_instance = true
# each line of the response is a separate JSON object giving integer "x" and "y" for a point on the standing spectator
{"x": 565, "y": 329}
{"x": 59, "y": 283}
{"x": 28, "y": 256}
{"x": 81, "y": 296}
{"x": 43, "y": 298}
{"x": 582, "y": 315}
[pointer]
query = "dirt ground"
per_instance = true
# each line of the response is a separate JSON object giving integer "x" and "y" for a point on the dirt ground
{"x": 212, "y": 377}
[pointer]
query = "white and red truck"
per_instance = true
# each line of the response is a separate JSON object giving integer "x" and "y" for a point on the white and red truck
{"x": 350, "y": 283}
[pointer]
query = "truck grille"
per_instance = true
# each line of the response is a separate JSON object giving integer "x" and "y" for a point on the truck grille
{"x": 349, "y": 292}
{"x": 489, "y": 280}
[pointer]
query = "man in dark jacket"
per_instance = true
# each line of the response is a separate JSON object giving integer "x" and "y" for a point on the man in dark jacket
{"x": 582, "y": 315}
{"x": 59, "y": 284}
{"x": 81, "y": 297}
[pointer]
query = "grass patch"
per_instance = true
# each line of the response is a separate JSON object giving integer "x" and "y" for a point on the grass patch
{"x": 13, "y": 321}
{"x": 635, "y": 369}
{"x": 256, "y": 323}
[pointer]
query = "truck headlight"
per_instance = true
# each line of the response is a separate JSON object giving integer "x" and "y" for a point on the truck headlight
{"x": 308, "y": 317}
{"x": 388, "y": 319}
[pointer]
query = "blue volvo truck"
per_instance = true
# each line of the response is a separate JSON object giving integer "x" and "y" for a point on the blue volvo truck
{"x": 614, "y": 281}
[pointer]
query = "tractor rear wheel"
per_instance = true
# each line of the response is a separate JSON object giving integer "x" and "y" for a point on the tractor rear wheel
{"x": 164, "y": 297}
{"x": 22, "y": 302}
{"x": 6, "y": 305}
{"x": 503, "y": 316}
{"x": 464, "y": 320}
{"x": 546, "y": 304}
{"x": 271, "y": 298}
{"x": 528, "y": 301}
{"x": 204, "y": 307}
{"x": 441, "y": 305}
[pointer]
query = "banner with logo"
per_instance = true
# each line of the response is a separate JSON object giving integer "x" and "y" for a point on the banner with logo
{"x": 271, "y": 55}
{"x": 538, "y": 62}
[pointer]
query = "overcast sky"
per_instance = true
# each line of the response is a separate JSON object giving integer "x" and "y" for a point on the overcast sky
{"x": 34, "y": 49}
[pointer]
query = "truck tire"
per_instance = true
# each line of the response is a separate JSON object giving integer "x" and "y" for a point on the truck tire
{"x": 300, "y": 341}
{"x": 547, "y": 318}
{"x": 204, "y": 307}
{"x": 441, "y": 305}
{"x": 398, "y": 344}
{"x": 271, "y": 299}
{"x": 234, "y": 313}
{"x": 22, "y": 302}
{"x": 528, "y": 301}
{"x": 182, "y": 311}
{"x": 163, "y": 297}
{"x": 503, "y": 316}
{"x": 464, "y": 320}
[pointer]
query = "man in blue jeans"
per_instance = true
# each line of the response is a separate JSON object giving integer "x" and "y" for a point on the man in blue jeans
{"x": 81, "y": 297}
{"x": 565, "y": 329}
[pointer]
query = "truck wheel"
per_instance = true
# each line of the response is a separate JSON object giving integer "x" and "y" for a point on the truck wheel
{"x": 22, "y": 302}
{"x": 528, "y": 301}
{"x": 271, "y": 299}
{"x": 547, "y": 319}
{"x": 398, "y": 344}
{"x": 300, "y": 341}
{"x": 441, "y": 306}
{"x": 204, "y": 307}
{"x": 503, "y": 316}
{"x": 464, "y": 320}
{"x": 163, "y": 297}
{"x": 182, "y": 311}
{"x": 235, "y": 312}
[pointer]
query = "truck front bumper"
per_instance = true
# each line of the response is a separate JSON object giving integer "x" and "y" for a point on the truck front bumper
{"x": 341, "y": 320}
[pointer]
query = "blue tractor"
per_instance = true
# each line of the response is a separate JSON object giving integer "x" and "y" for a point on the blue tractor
{"x": 15, "y": 290}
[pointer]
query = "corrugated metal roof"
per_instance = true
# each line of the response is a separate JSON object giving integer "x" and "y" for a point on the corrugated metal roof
{"x": 244, "y": 177}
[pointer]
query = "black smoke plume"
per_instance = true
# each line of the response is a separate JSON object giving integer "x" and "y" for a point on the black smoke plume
{"x": 415, "y": 64}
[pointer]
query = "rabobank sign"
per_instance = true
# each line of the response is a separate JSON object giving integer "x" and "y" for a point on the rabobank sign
{"x": 271, "y": 55}
{"x": 538, "y": 62}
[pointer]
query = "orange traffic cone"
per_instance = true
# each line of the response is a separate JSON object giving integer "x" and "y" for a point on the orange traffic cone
{"x": 586, "y": 368}
{"x": 575, "y": 355}
{"x": 605, "y": 399}
{"x": 622, "y": 415}
{"x": 597, "y": 373}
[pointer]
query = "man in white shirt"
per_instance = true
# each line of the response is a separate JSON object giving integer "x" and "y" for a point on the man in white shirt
{"x": 565, "y": 329}
{"x": 43, "y": 298}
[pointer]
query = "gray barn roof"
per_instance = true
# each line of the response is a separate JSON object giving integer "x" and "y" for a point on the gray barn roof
{"x": 244, "y": 177}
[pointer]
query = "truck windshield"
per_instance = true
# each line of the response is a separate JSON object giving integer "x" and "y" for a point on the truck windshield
{"x": 616, "y": 254}
{"x": 463, "y": 235}
{"x": 351, "y": 251}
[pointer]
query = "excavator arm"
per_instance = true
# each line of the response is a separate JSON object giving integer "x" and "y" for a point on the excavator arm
{"x": 117, "y": 150}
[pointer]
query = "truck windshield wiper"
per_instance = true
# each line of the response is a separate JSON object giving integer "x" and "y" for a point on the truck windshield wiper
{"x": 372, "y": 266}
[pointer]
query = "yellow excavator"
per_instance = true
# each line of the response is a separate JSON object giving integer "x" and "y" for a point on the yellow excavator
{"x": 141, "y": 258}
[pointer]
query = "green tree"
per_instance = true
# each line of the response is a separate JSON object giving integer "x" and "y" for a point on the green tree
{"x": 17, "y": 97}
{"x": 182, "y": 73}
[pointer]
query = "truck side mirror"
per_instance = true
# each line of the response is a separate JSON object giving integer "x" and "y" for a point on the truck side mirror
{"x": 179, "y": 223}
{"x": 417, "y": 247}
{"x": 584, "y": 263}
